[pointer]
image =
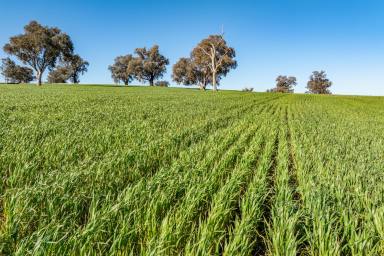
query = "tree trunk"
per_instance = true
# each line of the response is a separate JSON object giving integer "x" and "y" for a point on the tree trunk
{"x": 125, "y": 82}
{"x": 151, "y": 82}
{"x": 213, "y": 68}
{"x": 39, "y": 77}
{"x": 214, "y": 81}
{"x": 75, "y": 79}
{"x": 202, "y": 86}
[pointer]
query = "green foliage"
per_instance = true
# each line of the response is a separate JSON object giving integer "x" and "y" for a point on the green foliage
{"x": 40, "y": 47}
{"x": 284, "y": 84}
{"x": 123, "y": 69}
{"x": 209, "y": 61}
{"x": 319, "y": 83}
{"x": 15, "y": 74}
{"x": 58, "y": 75}
{"x": 75, "y": 67}
{"x": 162, "y": 83}
{"x": 145, "y": 65}
{"x": 146, "y": 171}
{"x": 152, "y": 64}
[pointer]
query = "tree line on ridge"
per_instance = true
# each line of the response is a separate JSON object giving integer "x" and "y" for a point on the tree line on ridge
{"x": 41, "y": 48}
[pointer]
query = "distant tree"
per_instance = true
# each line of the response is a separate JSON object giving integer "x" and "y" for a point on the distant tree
{"x": 162, "y": 83}
{"x": 75, "y": 66}
{"x": 187, "y": 72}
{"x": 40, "y": 47}
{"x": 214, "y": 54}
{"x": 14, "y": 73}
{"x": 319, "y": 83}
{"x": 152, "y": 64}
{"x": 124, "y": 68}
{"x": 284, "y": 84}
{"x": 183, "y": 72}
{"x": 58, "y": 75}
{"x": 246, "y": 89}
{"x": 70, "y": 69}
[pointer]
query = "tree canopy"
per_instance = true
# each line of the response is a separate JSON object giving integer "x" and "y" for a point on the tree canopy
{"x": 58, "y": 75}
{"x": 319, "y": 83}
{"x": 209, "y": 61}
{"x": 146, "y": 65}
{"x": 187, "y": 72}
{"x": 40, "y": 47}
{"x": 284, "y": 84}
{"x": 14, "y": 73}
{"x": 75, "y": 66}
{"x": 152, "y": 64}
{"x": 123, "y": 69}
{"x": 215, "y": 55}
{"x": 69, "y": 69}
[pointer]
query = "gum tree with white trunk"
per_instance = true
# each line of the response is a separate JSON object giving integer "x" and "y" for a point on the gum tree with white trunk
{"x": 214, "y": 53}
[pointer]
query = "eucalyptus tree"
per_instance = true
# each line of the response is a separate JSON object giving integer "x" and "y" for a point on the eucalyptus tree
{"x": 40, "y": 47}
{"x": 70, "y": 69}
{"x": 187, "y": 72}
{"x": 285, "y": 84}
{"x": 152, "y": 64}
{"x": 319, "y": 83}
{"x": 214, "y": 54}
{"x": 14, "y": 73}
{"x": 58, "y": 75}
{"x": 75, "y": 66}
{"x": 123, "y": 69}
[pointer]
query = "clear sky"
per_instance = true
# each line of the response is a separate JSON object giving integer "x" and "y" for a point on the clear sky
{"x": 271, "y": 37}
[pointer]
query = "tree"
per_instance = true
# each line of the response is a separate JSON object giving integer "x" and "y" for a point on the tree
{"x": 152, "y": 64}
{"x": 70, "y": 69}
{"x": 183, "y": 72}
{"x": 40, "y": 47}
{"x": 124, "y": 69}
{"x": 214, "y": 54}
{"x": 58, "y": 75}
{"x": 14, "y": 73}
{"x": 187, "y": 72}
{"x": 319, "y": 83}
{"x": 75, "y": 66}
{"x": 284, "y": 84}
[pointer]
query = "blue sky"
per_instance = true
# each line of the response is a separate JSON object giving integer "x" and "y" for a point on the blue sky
{"x": 271, "y": 37}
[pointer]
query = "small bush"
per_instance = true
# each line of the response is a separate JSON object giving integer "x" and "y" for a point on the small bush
{"x": 162, "y": 83}
{"x": 246, "y": 89}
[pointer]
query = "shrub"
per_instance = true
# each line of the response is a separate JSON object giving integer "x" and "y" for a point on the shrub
{"x": 246, "y": 89}
{"x": 162, "y": 83}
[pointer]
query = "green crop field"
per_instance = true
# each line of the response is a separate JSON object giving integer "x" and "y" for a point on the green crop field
{"x": 90, "y": 170}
